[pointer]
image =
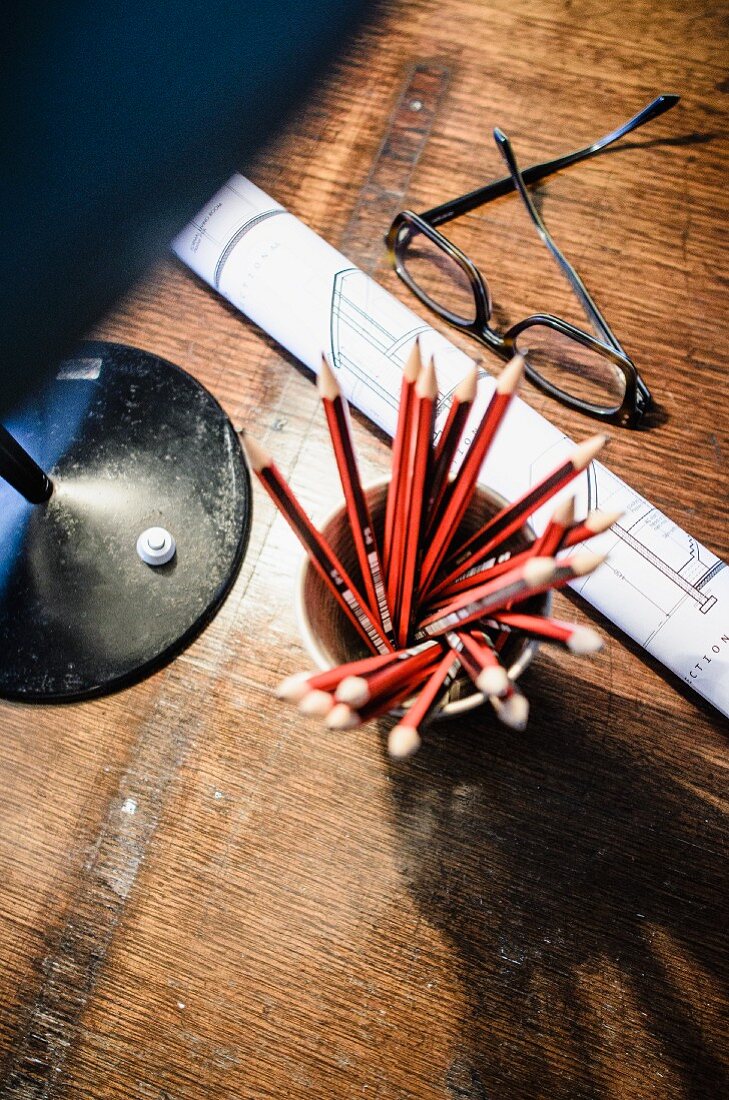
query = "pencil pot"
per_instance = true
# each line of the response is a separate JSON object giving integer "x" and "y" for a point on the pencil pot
{"x": 330, "y": 638}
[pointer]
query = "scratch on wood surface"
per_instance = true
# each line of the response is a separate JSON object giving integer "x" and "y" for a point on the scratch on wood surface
{"x": 407, "y": 132}
{"x": 77, "y": 951}
{"x": 721, "y": 804}
{"x": 463, "y": 1082}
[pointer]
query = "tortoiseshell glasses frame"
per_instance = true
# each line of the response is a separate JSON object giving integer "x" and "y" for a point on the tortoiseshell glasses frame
{"x": 596, "y": 353}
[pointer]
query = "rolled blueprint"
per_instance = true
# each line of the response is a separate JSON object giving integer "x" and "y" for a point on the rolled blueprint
{"x": 662, "y": 587}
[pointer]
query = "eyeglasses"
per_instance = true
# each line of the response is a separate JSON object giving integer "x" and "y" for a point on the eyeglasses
{"x": 591, "y": 373}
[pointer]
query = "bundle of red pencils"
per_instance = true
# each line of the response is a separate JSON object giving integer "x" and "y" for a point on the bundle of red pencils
{"x": 428, "y": 604}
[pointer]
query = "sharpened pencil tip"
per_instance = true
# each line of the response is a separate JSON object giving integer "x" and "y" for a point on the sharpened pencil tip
{"x": 326, "y": 382}
{"x": 586, "y": 562}
{"x": 564, "y": 513}
{"x": 539, "y": 571}
{"x": 414, "y": 363}
{"x": 316, "y": 704}
{"x": 493, "y": 681}
{"x": 597, "y": 522}
{"x": 510, "y": 377}
{"x": 465, "y": 391}
{"x": 258, "y": 458}
{"x": 513, "y": 712}
{"x": 341, "y": 717}
{"x": 403, "y": 741}
{"x": 584, "y": 640}
{"x": 427, "y": 383}
{"x": 583, "y": 455}
{"x": 293, "y": 688}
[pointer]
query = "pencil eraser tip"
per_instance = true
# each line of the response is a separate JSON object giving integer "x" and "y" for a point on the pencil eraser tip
{"x": 293, "y": 688}
{"x": 539, "y": 571}
{"x": 352, "y": 690}
{"x": 403, "y": 741}
{"x": 316, "y": 704}
{"x": 514, "y": 711}
{"x": 341, "y": 717}
{"x": 493, "y": 681}
{"x": 584, "y": 640}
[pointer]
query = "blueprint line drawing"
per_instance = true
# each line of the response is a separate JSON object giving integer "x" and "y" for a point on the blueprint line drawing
{"x": 659, "y": 584}
{"x": 693, "y": 590}
{"x": 357, "y": 337}
{"x": 686, "y": 568}
{"x": 237, "y": 238}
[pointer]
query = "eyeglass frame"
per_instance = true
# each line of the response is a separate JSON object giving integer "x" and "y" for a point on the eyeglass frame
{"x": 636, "y": 398}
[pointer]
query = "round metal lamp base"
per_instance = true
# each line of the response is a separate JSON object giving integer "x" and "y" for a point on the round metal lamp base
{"x": 131, "y": 443}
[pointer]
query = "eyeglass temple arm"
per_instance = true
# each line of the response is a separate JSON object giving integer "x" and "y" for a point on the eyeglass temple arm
{"x": 574, "y": 279}
{"x": 455, "y": 207}
{"x": 589, "y": 306}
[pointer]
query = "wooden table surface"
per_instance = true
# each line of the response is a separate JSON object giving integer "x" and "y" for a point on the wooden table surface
{"x": 204, "y": 895}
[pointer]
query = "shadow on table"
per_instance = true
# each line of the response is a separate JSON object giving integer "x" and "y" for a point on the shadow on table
{"x": 583, "y": 885}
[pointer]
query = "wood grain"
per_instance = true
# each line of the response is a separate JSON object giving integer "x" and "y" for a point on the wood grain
{"x": 204, "y": 895}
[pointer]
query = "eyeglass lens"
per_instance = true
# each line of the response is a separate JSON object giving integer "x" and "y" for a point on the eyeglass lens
{"x": 577, "y": 371}
{"x": 437, "y": 275}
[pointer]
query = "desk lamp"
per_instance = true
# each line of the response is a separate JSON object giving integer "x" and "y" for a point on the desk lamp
{"x": 124, "y": 495}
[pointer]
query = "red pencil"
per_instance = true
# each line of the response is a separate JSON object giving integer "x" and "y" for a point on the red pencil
{"x": 535, "y": 575}
{"x": 445, "y": 450}
{"x": 295, "y": 687}
{"x": 578, "y": 639}
{"x": 512, "y": 708}
{"x": 460, "y": 490}
{"x": 356, "y": 691}
{"x": 576, "y": 565}
{"x": 510, "y": 705}
{"x": 548, "y": 543}
{"x": 419, "y": 464}
{"x": 492, "y": 678}
{"x": 509, "y": 519}
{"x": 321, "y": 554}
{"x": 404, "y": 738}
{"x": 410, "y": 374}
{"x": 360, "y": 520}
{"x": 488, "y": 678}
{"x": 530, "y": 579}
{"x": 469, "y": 666}
{"x": 595, "y": 523}
{"x": 321, "y": 693}
{"x": 554, "y": 533}
{"x": 344, "y": 717}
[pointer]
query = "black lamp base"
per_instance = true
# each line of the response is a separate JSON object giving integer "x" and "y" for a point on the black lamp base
{"x": 130, "y": 442}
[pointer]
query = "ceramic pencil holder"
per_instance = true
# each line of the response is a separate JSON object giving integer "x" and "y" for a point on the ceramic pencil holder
{"x": 330, "y": 638}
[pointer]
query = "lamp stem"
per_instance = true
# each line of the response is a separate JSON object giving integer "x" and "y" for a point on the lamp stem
{"x": 21, "y": 471}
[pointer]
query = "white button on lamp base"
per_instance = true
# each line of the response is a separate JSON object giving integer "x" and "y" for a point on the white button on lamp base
{"x": 156, "y": 546}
